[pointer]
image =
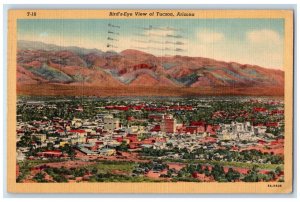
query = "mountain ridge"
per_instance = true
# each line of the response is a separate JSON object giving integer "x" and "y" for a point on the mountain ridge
{"x": 41, "y": 63}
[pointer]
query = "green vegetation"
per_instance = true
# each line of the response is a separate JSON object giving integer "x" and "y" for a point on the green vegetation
{"x": 24, "y": 171}
{"x": 25, "y": 166}
{"x": 233, "y": 110}
{"x": 232, "y": 175}
{"x": 108, "y": 177}
{"x": 224, "y": 163}
{"x": 122, "y": 147}
{"x": 40, "y": 177}
{"x": 109, "y": 166}
{"x": 230, "y": 156}
{"x": 61, "y": 174}
{"x": 68, "y": 149}
{"x": 215, "y": 156}
{"x": 254, "y": 176}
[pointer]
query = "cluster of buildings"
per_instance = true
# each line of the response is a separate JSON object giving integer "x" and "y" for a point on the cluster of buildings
{"x": 105, "y": 132}
{"x": 241, "y": 131}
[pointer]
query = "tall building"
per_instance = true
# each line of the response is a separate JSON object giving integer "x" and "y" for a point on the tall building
{"x": 168, "y": 124}
{"x": 111, "y": 123}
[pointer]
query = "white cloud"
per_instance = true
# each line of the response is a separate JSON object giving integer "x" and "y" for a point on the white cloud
{"x": 43, "y": 34}
{"x": 207, "y": 36}
{"x": 241, "y": 51}
{"x": 264, "y": 36}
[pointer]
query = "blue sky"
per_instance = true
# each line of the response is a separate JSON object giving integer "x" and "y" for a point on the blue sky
{"x": 251, "y": 41}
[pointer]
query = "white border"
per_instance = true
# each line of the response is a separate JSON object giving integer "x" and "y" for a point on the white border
{"x": 279, "y": 4}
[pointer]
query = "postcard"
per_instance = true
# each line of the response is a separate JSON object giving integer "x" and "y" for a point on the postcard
{"x": 150, "y": 101}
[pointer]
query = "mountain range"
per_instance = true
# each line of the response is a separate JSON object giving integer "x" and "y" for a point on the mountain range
{"x": 44, "y": 69}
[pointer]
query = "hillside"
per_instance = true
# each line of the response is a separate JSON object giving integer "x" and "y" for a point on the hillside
{"x": 41, "y": 67}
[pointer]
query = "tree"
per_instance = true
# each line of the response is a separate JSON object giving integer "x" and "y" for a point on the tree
{"x": 252, "y": 175}
{"x": 207, "y": 171}
{"x": 40, "y": 177}
{"x": 278, "y": 170}
{"x": 170, "y": 172}
{"x": 68, "y": 150}
{"x": 122, "y": 147}
{"x": 60, "y": 178}
{"x": 218, "y": 172}
{"x": 94, "y": 170}
{"x": 271, "y": 175}
{"x": 50, "y": 146}
{"x": 232, "y": 175}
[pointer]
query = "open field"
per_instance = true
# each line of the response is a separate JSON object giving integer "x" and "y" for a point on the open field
{"x": 113, "y": 166}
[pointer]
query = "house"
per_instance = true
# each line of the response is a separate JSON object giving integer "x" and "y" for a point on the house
{"x": 132, "y": 137}
{"x": 146, "y": 146}
{"x": 41, "y": 137}
{"x": 198, "y": 123}
{"x": 111, "y": 123}
{"x": 156, "y": 128}
{"x": 277, "y": 112}
{"x": 76, "y": 123}
{"x": 156, "y": 117}
{"x": 208, "y": 140}
{"x": 86, "y": 149}
{"x": 134, "y": 145}
{"x": 245, "y": 136}
{"x": 262, "y": 142}
{"x": 107, "y": 152}
{"x": 181, "y": 108}
{"x": 121, "y": 108}
{"x": 260, "y": 109}
{"x": 136, "y": 129}
{"x": 20, "y": 155}
{"x": 79, "y": 135}
{"x": 194, "y": 129}
{"x": 225, "y": 135}
{"x": 130, "y": 118}
{"x": 210, "y": 129}
{"x": 79, "y": 109}
{"x": 272, "y": 124}
{"x": 50, "y": 153}
{"x": 62, "y": 143}
{"x": 260, "y": 130}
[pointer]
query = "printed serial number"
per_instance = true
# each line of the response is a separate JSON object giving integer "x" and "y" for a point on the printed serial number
{"x": 32, "y": 13}
{"x": 274, "y": 185}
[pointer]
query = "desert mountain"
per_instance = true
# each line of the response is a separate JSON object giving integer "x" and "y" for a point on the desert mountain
{"x": 40, "y": 63}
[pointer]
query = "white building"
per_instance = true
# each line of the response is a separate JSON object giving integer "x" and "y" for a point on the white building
{"x": 20, "y": 156}
{"x": 77, "y": 123}
{"x": 111, "y": 123}
{"x": 245, "y": 136}
{"x": 260, "y": 130}
{"x": 41, "y": 137}
{"x": 236, "y": 131}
